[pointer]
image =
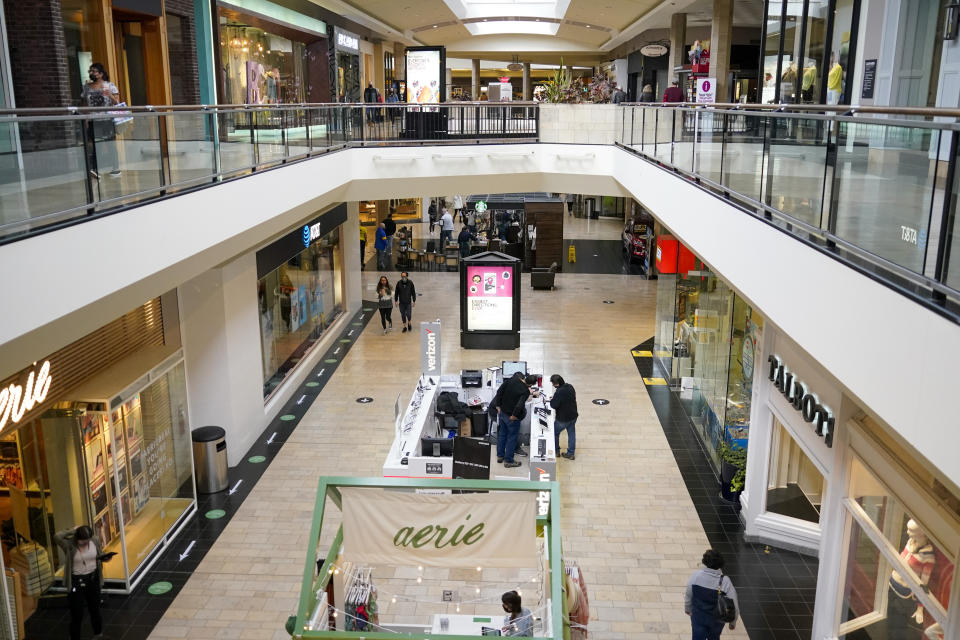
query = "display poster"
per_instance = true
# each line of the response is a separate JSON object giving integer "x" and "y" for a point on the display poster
{"x": 423, "y": 76}
{"x": 451, "y": 531}
{"x": 490, "y": 298}
{"x": 706, "y": 90}
{"x": 471, "y": 459}
{"x": 430, "y": 349}
{"x": 869, "y": 79}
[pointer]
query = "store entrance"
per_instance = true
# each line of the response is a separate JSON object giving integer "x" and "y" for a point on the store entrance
{"x": 141, "y": 73}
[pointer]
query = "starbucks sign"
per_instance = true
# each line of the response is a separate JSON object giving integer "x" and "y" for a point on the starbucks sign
{"x": 469, "y": 530}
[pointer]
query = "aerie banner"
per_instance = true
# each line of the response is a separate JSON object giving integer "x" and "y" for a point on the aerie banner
{"x": 468, "y": 530}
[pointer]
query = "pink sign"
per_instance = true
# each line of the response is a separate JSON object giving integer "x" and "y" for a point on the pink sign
{"x": 489, "y": 282}
{"x": 490, "y": 298}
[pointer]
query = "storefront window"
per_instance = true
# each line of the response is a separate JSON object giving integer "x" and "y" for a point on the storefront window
{"x": 298, "y": 301}
{"x": 403, "y": 209}
{"x": 813, "y": 50}
{"x": 790, "y": 67}
{"x": 348, "y": 77}
{"x": 126, "y": 472}
{"x": 744, "y": 347}
{"x": 795, "y": 486}
{"x": 663, "y": 341}
{"x": 85, "y": 39}
{"x": 261, "y": 68}
{"x": 898, "y": 579}
{"x": 838, "y": 70}
{"x": 771, "y": 52}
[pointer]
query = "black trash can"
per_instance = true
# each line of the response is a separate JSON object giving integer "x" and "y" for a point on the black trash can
{"x": 210, "y": 459}
{"x": 478, "y": 423}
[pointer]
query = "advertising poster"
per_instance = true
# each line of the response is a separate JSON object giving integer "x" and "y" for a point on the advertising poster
{"x": 423, "y": 77}
{"x": 490, "y": 298}
{"x": 706, "y": 90}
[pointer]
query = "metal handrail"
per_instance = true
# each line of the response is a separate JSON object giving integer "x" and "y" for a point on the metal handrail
{"x": 654, "y": 132}
{"x": 241, "y": 107}
{"x": 937, "y": 112}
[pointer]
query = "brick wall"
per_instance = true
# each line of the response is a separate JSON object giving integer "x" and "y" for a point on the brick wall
{"x": 37, "y": 53}
{"x": 182, "y": 48}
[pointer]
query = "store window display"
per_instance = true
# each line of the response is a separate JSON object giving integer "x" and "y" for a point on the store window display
{"x": 706, "y": 343}
{"x": 795, "y": 487}
{"x": 898, "y": 579}
{"x": 262, "y": 68}
{"x": 118, "y": 459}
{"x": 298, "y": 301}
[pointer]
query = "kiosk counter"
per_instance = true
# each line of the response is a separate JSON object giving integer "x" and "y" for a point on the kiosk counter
{"x": 420, "y": 427}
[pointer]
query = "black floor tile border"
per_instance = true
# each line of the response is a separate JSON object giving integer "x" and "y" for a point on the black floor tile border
{"x": 776, "y": 588}
{"x": 133, "y": 616}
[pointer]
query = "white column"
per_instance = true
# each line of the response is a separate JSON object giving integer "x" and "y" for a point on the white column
{"x": 721, "y": 37}
{"x": 475, "y": 79}
{"x": 220, "y": 328}
{"x": 351, "y": 242}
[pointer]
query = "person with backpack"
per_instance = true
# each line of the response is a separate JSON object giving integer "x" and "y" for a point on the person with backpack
{"x": 710, "y": 599}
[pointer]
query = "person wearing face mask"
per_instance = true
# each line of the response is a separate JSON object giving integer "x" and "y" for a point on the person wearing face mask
{"x": 406, "y": 296}
{"x": 564, "y": 402}
{"x": 82, "y": 576}
{"x": 100, "y": 92}
{"x": 518, "y": 622}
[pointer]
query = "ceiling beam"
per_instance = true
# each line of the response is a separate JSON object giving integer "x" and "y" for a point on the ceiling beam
{"x": 381, "y": 28}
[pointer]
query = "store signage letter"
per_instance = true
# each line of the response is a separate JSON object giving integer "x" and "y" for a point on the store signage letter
{"x": 15, "y": 401}
{"x": 430, "y": 343}
{"x": 802, "y": 399}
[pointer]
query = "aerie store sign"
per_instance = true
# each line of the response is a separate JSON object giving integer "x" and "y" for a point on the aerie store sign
{"x": 16, "y": 399}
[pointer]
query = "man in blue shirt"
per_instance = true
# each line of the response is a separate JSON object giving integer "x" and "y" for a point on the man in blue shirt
{"x": 381, "y": 246}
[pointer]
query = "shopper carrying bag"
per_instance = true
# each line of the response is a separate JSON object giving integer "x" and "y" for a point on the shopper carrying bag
{"x": 710, "y": 599}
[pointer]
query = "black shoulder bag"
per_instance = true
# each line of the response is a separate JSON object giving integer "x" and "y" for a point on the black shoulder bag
{"x": 726, "y": 609}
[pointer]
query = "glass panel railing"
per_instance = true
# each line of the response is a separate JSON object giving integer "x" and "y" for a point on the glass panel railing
{"x": 130, "y": 162}
{"x": 884, "y": 189}
{"x": 743, "y": 154}
{"x": 238, "y": 149}
{"x": 708, "y": 152}
{"x": 43, "y": 171}
{"x": 796, "y": 162}
{"x": 873, "y": 188}
{"x": 191, "y": 151}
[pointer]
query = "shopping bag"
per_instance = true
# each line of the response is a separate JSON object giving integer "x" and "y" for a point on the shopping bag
{"x": 121, "y": 117}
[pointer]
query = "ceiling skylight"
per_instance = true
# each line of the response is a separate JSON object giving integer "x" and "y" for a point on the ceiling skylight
{"x": 512, "y": 26}
{"x": 533, "y": 9}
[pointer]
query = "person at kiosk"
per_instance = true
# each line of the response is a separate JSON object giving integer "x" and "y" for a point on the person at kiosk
{"x": 510, "y": 401}
{"x": 518, "y": 622}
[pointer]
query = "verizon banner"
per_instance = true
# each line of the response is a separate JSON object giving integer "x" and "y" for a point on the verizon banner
{"x": 468, "y": 530}
{"x": 430, "y": 348}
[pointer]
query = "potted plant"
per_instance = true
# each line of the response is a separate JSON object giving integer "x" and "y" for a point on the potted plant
{"x": 733, "y": 471}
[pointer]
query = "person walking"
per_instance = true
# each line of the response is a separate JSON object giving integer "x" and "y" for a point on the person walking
{"x": 564, "y": 402}
{"x": 464, "y": 241}
{"x": 406, "y": 297}
{"x": 700, "y": 600}
{"x": 432, "y": 214}
{"x": 385, "y": 304}
{"x": 100, "y": 92}
{"x": 363, "y": 246}
{"x": 83, "y": 560}
{"x": 390, "y": 227}
{"x": 446, "y": 228}
{"x": 646, "y": 94}
{"x": 673, "y": 93}
{"x": 381, "y": 246}
{"x": 511, "y": 401}
{"x": 518, "y": 622}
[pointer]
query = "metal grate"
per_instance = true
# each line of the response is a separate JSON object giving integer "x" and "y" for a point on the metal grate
{"x": 94, "y": 352}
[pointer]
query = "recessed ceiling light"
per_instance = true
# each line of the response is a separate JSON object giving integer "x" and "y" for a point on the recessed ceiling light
{"x": 588, "y": 26}
{"x": 434, "y": 26}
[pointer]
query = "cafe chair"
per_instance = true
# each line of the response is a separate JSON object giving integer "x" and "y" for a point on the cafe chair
{"x": 543, "y": 277}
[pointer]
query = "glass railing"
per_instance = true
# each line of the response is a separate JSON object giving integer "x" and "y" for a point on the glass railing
{"x": 61, "y": 166}
{"x": 877, "y": 189}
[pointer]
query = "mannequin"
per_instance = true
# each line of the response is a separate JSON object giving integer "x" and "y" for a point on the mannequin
{"x": 907, "y": 617}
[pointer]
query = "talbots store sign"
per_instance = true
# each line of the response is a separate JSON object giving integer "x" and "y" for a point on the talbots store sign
{"x": 17, "y": 399}
{"x": 469, "y": 530}
{"x": 802, "y": 399}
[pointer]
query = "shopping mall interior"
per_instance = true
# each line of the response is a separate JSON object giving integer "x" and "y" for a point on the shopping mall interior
{"x": 452, "y": 318}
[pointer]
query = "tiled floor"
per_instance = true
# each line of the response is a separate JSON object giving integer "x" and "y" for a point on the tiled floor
{"x": 638, "y": 507}
{"x": 776, "y": 588}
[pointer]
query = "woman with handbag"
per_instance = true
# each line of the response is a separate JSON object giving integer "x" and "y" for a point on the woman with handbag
{"x": 710, "y": 599}
{"x": 100, "y": 92}
{"x": 83, "y": 559}
{"x": 385, "y": 303}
